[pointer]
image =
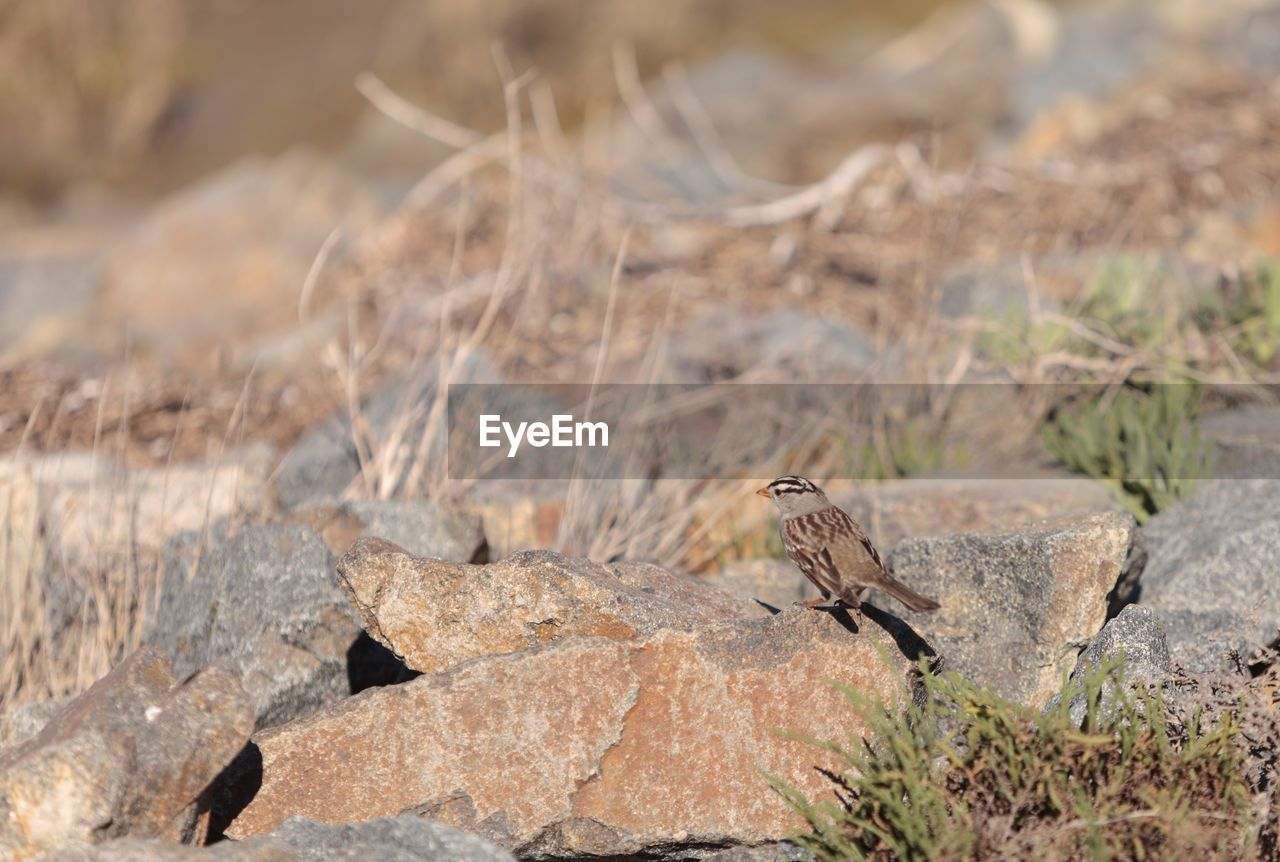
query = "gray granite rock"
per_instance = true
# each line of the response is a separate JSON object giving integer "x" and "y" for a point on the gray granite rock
{"x": 319, "y": 466}
{"x": 422, "y": 527}
{"x": 45, "y": 288}
{"x": 1219, "y": 550}
{"x": 1204, "y": 641}
{"x": 1095, "y": 47}
{"x": 407, "y": 838}
{"x": 992, "y": 290}
{"x": 260, "y": 849}
{"x": 725, "y": 343}
{"x": 1246, "y": 442}
{"x": 1128, "y": 587}
{"x": 1139, "y": 634}
{"x": 24, "y": 722}
{"x": 264, "y": 599}
{"x": 1015, "y": 601}
{"x": 783, "y": 851}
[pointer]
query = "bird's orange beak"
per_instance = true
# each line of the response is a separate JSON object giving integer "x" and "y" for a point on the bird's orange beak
{"x": 764, "y": 492}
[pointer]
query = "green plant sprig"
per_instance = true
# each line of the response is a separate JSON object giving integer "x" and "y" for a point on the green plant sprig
{"x": 1142, "y": 444}
{"x": 970, "y": 775}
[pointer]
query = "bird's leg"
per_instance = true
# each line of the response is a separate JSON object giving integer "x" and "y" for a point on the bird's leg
{"x": 811, "y": 603}
{"x": 855, "y": 607}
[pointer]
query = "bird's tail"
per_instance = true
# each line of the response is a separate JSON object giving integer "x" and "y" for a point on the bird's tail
{"x": 909, "y": 597}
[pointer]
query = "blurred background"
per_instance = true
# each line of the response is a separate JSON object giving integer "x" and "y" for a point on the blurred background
{"x": 245, "y": 245}
{"x": 141, "y": 97}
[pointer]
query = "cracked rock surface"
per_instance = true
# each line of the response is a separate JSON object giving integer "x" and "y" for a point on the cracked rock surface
{"x": 589, "y": 744}
{"x": 436, "y": 614}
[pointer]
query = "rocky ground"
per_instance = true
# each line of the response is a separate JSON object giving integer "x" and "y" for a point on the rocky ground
{"x": 246, "y": 604}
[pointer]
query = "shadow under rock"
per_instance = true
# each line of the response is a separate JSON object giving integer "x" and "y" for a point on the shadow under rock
{"x": 233, "y": 789}
{"x": 370, "y": 664}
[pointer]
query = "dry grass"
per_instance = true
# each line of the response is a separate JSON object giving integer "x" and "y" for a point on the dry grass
{"x": 83, "y": 88}
{"x": 149, "y": 93}
{"x": 527, "y": 258}
{"x": 80, "y": 545}
{"x": 71, "y": 611}
{"x": 578, "y": 293}
{"x": 550, "y": 311}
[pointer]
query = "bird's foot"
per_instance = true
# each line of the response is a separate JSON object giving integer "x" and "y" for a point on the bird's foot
{"x": 811, "y": 603}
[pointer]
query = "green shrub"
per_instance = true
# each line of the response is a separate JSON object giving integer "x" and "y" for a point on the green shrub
{"x": 1248, "y": 309}
{"x": 1142, "y": 444}
{"x": 969, "y": 775}
{"x": 1135, "y": 303}
{"x": 1011, "y": 338}
{"x": 1129, "y": 301}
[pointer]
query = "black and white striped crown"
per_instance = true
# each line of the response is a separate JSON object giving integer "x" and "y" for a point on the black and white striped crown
{"x": 785, "y": 485}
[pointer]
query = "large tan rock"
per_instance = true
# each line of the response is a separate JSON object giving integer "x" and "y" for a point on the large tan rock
{"x": 435, "y": 614}
{"x": 589, "y": 745}
{"x": 1016, "y": 604}
{"x": 777, "y": 583}
{"x": 131, "y": 757}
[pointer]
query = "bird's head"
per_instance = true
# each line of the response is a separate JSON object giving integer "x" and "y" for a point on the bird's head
{"x": 795, "y": 495}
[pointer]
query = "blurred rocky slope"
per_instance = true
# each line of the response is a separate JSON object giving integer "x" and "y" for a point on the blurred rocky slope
{"x": 222, "y": 445}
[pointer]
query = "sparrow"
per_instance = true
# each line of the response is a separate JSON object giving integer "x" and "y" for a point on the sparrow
{"x": 831, "y": 549}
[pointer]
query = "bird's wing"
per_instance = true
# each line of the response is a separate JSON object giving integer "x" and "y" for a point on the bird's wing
{"x": 860, "y": 566}
{"x": 806, "y": 543}
{"x": 855, "y": 556}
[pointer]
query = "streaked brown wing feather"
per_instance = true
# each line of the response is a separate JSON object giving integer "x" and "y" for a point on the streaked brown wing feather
{"x": 806, "y": 544}
{"x": 855, "y": 556}
{"x": 836, "y": 555}
{"x": 860, "y": 566}
{"x": 824, "y": 575}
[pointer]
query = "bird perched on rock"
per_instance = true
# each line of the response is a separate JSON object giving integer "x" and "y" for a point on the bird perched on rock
{"x": 831, "y": 549}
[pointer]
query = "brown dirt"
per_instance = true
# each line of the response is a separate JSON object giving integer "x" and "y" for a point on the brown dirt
{"x": 1144, "y": 182}
{"x": 148, "y": 419}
